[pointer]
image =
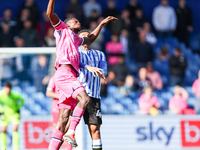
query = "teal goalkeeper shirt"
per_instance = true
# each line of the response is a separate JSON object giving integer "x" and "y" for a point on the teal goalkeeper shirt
{"x": 11, "y": 103}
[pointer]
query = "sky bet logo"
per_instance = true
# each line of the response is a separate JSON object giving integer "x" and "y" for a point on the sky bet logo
{"x": 154, "y": 133}
{"x": 190, "y": 132}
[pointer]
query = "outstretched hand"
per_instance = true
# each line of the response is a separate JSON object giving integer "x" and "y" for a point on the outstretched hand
{"x": 96, "y": 71}
{"x": 108, "y": 19}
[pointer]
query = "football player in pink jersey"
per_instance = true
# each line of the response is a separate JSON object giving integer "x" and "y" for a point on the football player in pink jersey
{"x": 67, "y": 65}
{"x": 52, "y": 92}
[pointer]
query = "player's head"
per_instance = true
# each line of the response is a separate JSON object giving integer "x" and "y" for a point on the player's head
{"x": 73, "y": 24}
{"x": 7, "y": 88}
{"x": 84, "y": 33}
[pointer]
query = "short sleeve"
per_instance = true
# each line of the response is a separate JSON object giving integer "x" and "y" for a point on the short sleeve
{"x": 51, "y": 85}
{"x": 79, "y": 40}
{"x": 60, "y": 25}
{"x": 103, "y": 63}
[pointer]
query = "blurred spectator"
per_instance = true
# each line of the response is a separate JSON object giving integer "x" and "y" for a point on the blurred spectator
{"x": 178, "y": 65}
{"x": 106, "y": 34}
{"x": 137, "y": 23}
{"x": 143, "y": 52}
{"x": 69, "y": 15}
{"x": 22, "y": 62}
{"x": 148, "y": 104}
{"x": 124, "y": 22}
{"x": 164, "y": 19}
{"x": 43, "y": 27}
{"x": 124, "y": 40}
{"x": 163, "y": 54}
{"x": 91, "y": 5}
{"x": 93, "y": 18}
{"x": 7, "y": 18}
{"x": 128, "y": 86}
{"x": 113, "y": 49}
{"x": 6, "y": 36}
{"x": 19, "y": 66}
{"x": 143, "y": 81}
{"x": 29, "y": 35}
{"x": 154, "y": 77}
{"x": 40, "y": 73}
{"x": 178, "y": 103}
{"x": 34, "y": 15}
{"x": 111, "y": 10}
{"x": 75, "y": 7}
{"x": 97, "y": 44}
{"x": 150, "y": 36}
{"x": 184, "y": 22}
{"x": 118, "y": 72}
{"x": 19, "y": 42}
{"x": 7, "y": 72}
{"x": 49, "y": 39}
{"x": 196, "y": 90}
{"x": 24, "y": 15}
{"x": 132, "y": 6}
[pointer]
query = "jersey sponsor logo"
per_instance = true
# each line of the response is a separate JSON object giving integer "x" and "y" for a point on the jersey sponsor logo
{"x": 190, "y": 132}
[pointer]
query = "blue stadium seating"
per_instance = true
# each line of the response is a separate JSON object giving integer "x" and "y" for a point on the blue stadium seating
{"x": 36, "y": 103}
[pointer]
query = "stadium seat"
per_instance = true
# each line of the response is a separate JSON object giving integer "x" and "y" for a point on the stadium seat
{"x": 24, "y": 112}
{"x": 116, "y": 108}
{"x": 191, "y": 101}
{"x": 104, "y": 109}
{"x": 30, "y": 89}
{"x": 126, "y": 102}
{"x": 112, "y": 90}
{"x": 17, "y": 89}
{"x": 134, "y": 107}
{"x": 109, "y": 101}
{"x": 25, "y": 84}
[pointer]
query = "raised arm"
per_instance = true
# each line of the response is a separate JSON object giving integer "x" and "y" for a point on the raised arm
{"x": 50, "y": 13}
{"x": 91, "y": 38}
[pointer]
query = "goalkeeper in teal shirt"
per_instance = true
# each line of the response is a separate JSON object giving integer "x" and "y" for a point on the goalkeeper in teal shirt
{"x": 11, "y": 102}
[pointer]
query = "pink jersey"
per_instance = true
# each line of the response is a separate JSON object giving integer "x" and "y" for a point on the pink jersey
{"x": 178, "y": 102}
{"x": 67, "y": 43}
{"x": 196, "y": 87}
{"x": 148, "y": 102}
{"x": 114, "y": 48}
{"x": 52, "y": 86}
{"x": 55, "y": 110}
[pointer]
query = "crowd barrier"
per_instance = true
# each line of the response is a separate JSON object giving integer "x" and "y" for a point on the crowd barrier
{"x": 119, "y": 133}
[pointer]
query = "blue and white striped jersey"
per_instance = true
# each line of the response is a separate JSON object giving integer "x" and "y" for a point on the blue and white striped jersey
{"x": 92, "y": 58}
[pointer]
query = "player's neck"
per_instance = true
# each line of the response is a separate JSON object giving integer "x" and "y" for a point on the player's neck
{"x": 86, "y": 48}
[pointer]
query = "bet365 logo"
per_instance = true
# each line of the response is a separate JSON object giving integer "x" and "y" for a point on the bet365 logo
{"x": 190, "y": 131}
